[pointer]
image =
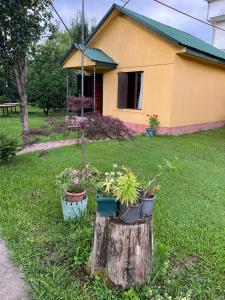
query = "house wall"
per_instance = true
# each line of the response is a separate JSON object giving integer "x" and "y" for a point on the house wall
{"x": 188, "y": 94}
{"x": 198, "y": 98}
{"x": 74, "y": 60}
{"x": 135, "y": 48}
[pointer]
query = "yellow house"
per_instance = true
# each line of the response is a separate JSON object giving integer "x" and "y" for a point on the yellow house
{"x": 144, "y": 67}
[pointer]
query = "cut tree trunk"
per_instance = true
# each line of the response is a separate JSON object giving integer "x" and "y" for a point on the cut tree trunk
{"x": 122, "y": 253}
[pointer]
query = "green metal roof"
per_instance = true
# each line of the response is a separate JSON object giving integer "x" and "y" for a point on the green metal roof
{"x": 202, "y": 49}
{"x": 96, "y": 55}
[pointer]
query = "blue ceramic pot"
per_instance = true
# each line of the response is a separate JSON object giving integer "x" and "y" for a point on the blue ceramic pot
{"x": 73, "y": 210}
{"x": 107, "y": 206}
{"x": 150, "y": 132}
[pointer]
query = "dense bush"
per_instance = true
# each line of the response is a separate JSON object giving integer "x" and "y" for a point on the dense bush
{"x": 8, "y": 147}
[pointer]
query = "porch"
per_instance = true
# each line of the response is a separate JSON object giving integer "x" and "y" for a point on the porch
{"x": 95, "y": 63}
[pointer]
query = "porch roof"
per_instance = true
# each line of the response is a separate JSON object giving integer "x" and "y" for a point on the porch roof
{"x": 97, "y": 56}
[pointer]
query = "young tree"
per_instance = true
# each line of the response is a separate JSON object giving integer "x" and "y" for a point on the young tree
{"x": 76, "y": 27}
{"x": 46, "y": 84}
{"x": 94, "y": 126}
{"x": 22, "y": 23}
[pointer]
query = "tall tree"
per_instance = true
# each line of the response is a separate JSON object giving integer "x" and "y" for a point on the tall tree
{"x": 22, "y": 23}
{"x": 76, "y": 27}
{"x": 46, "y": 85}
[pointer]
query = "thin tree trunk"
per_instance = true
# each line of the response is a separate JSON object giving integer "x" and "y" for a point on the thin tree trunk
{"x": 84, "y": 152}
{"x": 20, "y": 73}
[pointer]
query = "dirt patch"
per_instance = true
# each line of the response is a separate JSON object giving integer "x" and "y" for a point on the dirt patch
{"x": 181, "y": 263}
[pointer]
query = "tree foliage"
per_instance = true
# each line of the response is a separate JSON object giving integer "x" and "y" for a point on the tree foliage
{"x": 46, "y": 78}
{"x": 76, "y": 27}
{"x": 22, "y": 23}
{"x": 8, "y": 148}
{"x": 47, "y": 81}
{"x": 8, "y": 90}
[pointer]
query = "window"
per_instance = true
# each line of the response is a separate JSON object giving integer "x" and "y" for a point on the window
{"x": 130, "y": 87}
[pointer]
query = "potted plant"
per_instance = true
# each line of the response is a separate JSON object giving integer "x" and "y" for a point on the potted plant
{"x": 148, "y": 192}
{"x": 148, "y": 198}
{"x": 153, "y": 125}
{"x": 73, "y": 183}
{"x": 106, "y": 201}
{"x": 126, "y": 192}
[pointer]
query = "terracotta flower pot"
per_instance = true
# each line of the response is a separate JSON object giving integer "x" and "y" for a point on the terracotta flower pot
{"x": 74, "y": 197}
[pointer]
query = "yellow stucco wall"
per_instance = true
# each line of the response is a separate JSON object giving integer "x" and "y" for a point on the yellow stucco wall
{"x": 198, "y": 92}
{"x": 74, "y": 59}
{"x": 144, "y": 51}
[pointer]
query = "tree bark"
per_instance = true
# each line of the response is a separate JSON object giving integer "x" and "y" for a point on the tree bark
{"x": 20, "y": 73}
{"x": 122, "y": 253}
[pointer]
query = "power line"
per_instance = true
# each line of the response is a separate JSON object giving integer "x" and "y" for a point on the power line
{"x": 66, "y": 27}
{"x": 61, "y": 20}
{"x": 190, "y": 16}
{"x": 125, "y": 3}
{"x": 119, "y": 10}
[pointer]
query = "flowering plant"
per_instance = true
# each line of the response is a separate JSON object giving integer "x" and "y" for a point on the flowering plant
{"x": 75, "y": 180}
{"x": 107, "y": 184}
{"x": 153, "y": 121}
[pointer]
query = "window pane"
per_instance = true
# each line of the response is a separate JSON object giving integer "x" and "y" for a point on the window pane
{"x": 130, "y": 86}
{"x": 122, "y": 90}
{"x": 139, "y": 89}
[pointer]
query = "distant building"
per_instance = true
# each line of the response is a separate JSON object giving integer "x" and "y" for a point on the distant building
{"x": 216, "y": 15}
{"x": 145, "y": 67}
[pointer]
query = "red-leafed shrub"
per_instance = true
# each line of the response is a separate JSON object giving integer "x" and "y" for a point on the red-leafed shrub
{"x": 97, "y": 126}
{"x": 75, "y": 104}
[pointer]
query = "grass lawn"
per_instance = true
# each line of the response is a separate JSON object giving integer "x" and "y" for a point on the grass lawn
{"x": 189, "y": 219}
{"x": 13, "y": 127}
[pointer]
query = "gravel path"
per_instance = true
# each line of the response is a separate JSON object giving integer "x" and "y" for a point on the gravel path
{"x": 12, "y": 285}
{"x": 46, "y": 146}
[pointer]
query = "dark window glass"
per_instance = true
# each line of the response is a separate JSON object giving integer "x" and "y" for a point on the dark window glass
{"x": 130, "y": 90}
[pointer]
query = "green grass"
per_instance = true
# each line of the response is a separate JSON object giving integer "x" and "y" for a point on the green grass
{"x": 13, "y": 127}
{"x": 189, "y": 219}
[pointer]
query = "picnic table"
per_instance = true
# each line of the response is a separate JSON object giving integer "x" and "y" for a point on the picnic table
{"x": 6, "y": 106}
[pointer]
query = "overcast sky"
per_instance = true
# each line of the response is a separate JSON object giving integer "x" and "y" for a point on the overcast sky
{"x": 149, "y": 8}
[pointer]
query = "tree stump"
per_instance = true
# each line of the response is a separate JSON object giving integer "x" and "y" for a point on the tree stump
{"x": 122, "y": 253}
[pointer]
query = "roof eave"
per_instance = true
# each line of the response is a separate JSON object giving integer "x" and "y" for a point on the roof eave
{"x": 106, "y": 65}
{"x": 204, "y": 56}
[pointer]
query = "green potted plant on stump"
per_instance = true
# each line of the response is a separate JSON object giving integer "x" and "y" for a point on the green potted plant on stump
{"x": 106, "y": 200}
{"x": 149, "y": 190}
{"x": 154, "y": 123}
{"x": 149, "y": 197}
{"x": 126, "y": 192}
